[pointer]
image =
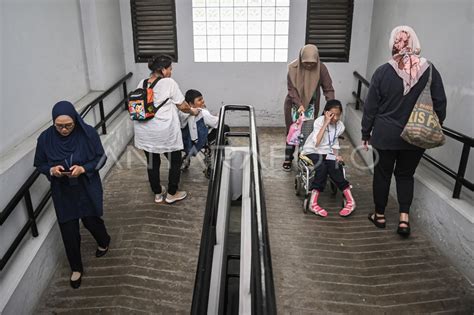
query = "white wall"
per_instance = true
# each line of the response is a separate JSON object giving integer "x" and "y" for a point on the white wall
{"x": 262, "y": 85}
{"x": 42, "y": 62}
{"x": 103, "y": 33}
{"x": 445, "y": 30}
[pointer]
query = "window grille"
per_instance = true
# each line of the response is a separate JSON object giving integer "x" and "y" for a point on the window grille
{"x": 329, "y": 26}
{"x": 240, "y": 30}
{"x": 154, "y": 29}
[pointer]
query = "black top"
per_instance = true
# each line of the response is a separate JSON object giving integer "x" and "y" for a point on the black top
{"x": 387, "y": 110}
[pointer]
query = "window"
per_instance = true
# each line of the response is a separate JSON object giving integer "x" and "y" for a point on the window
{"x": 154, "y": 29}
{"x": 328, "y": 26}
{"x": 240, "y": 30}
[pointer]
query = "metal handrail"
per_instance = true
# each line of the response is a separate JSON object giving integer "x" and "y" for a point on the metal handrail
{"x": 262, "y": 285}
{"x": 24, "y": 191}
{"x": 468, "y": 143}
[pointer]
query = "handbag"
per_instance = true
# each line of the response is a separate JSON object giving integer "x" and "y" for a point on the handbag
{"x": 295, "y": 130}
{"x": 423, "y": 128}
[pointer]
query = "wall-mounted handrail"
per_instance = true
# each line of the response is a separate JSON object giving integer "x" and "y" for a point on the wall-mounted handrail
{"x": 468, "y": 143}
{"x": 24, "y": 191}
{"x": 262, "y": 287}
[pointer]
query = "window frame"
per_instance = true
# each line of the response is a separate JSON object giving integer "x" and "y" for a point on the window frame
{"x": 170, "y": 32}
{"x": 269, "y": 45}
{"x": 330, "y": 54}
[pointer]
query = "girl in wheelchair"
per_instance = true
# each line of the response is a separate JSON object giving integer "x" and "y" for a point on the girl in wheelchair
{"x": 322, "y": 147}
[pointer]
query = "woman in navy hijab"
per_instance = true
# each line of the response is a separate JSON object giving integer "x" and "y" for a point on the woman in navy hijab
{"x": 70, "y": 154}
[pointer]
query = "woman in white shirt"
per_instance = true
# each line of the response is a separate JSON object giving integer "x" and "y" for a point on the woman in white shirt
{"x": 162, "y": 134}
{"x": 322, "y": 147}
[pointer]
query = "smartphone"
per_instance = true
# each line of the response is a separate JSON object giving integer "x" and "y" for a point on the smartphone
{"x": 64, "y": 172}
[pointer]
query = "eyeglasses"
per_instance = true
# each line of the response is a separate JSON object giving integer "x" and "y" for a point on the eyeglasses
{"x": 64, "y": 126}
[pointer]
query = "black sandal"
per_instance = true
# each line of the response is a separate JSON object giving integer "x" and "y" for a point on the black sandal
{"x": 375, "y": 219}
{"x": 403, "y": 230}
{"x": 287, "y": 166}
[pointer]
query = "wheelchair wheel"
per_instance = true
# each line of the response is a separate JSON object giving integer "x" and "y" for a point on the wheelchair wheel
{"x": 297, "y": 185}
{"x": 207, "y": 172}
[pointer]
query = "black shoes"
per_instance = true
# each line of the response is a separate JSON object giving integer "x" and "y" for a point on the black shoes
{"x": 100, "y": 253}
{"x": 376, "y": 219}
{"x": 287, "y": 166}
{"x": 75, "y": 284}
{"x": 403, "y": 230}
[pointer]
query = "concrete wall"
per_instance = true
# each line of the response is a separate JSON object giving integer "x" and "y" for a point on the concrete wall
{"x": 435, "y": 21}
{"x": 262, "y": 85}
{"x": 50, "y": 50}
{"x": 43, "y": 61}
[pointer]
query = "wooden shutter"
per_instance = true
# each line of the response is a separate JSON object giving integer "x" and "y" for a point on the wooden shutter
{"x": 154, "y": 29}
{"x": 329, "y": 26}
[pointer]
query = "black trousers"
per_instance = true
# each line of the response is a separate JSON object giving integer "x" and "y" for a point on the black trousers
{"x": 323, "y": 168}
{"x": 405, "y": 163}
{"x": 289, "y": 152}
{"x": 72, "y": 238}
{"x": 153, "y": 168}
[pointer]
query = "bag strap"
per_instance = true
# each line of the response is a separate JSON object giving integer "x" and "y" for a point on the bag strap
{"x": 428, "y": 84}
{"x": 145, "y": 83}
{"x": 155, "y": 82}
{"x": 163, "y": 103}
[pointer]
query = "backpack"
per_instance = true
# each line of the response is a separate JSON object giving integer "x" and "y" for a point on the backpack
{"x": 140, "y": 102}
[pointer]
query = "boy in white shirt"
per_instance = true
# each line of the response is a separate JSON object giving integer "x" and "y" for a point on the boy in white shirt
{"x": 322, "y": 147}
{"x": 195, "y": 129}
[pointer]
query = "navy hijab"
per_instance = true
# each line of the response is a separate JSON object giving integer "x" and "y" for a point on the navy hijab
{"x": 77, "y": 146}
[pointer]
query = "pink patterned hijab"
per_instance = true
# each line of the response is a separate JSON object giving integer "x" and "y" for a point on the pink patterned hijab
{"x": 406, "y": 60}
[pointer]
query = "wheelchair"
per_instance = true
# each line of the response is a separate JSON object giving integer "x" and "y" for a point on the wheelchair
{"x": 206, "y": 151}
{"x": 305, "y": 169}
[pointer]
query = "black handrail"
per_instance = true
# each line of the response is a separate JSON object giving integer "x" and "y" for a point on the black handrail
{"x": 361, "y": 80}
{"x": 262, "y": 270}
{"x": 468, "y": 143}
{"x": 24, "y": 191}
{"x": 263, "y": 292}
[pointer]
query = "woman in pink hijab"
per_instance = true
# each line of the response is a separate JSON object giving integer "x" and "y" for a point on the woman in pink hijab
{"x": 306, "y": 76}
{"x": 394, "y": 90}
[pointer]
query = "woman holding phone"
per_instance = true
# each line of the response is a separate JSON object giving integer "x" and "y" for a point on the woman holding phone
{"x": 70, "y": 154}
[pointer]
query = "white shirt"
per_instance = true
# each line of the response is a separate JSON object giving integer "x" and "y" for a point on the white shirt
{"x": 210, "y": 121}
{"x": 162, "y": 133}
{"x": 331, "y": 134}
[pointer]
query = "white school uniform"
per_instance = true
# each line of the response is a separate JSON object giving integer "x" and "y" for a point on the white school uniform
{"x": 210, "y": 121}
{"x": 331, "y": 134}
